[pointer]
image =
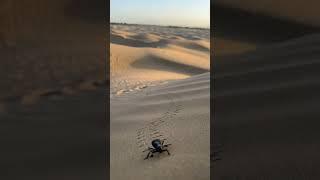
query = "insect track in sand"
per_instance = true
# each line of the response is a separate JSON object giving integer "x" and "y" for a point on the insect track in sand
{"x": 151, "y": 129}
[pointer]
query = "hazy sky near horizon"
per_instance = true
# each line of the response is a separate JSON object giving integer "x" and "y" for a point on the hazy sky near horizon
{"x": 194, "y": 13}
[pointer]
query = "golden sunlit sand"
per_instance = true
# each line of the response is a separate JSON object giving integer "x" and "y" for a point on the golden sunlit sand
{"x": 160, "y": 88}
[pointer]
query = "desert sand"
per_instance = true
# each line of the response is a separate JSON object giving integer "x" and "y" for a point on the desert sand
{"x": 160, "y": 88}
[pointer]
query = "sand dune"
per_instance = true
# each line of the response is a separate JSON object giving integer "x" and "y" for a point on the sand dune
{"x": 160, "y": 89}
{"x": 144, "y": 55}
{"x": 266, "y": 123}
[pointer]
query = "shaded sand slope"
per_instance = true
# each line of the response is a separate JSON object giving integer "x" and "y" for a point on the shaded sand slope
{"x": 177, "y": 111}
{"x": 143, "y": 55}
{"x": 266, "y": 120}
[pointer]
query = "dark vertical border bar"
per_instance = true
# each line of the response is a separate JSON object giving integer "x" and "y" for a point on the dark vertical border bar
{"x": 59, "y": 49}
{"x": 107, "y": 107}
{"x": 211, "y": 87}
{"x": 273, "y": 133}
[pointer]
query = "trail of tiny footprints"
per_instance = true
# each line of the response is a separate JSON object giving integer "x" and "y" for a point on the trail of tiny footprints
{"x": 151, "y": 130}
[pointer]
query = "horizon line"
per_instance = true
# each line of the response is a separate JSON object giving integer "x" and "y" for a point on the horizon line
{"x": 173, "y": 26}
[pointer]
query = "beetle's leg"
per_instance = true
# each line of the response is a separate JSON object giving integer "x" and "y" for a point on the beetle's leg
{"x": 149, "y": 148}
{"x": 148, "y": 155}
{"x": 162, "y": 141}
{"x": 152, "y": 152}
{"x": 167, "y": 151}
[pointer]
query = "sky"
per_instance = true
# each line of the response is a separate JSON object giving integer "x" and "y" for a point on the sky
{"x": 192, "y": 13}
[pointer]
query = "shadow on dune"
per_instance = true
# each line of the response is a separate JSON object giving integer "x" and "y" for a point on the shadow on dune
{"x": 194, "y": 46}
{"x": 115, "y": 39}
{"x": 162, "y": 64}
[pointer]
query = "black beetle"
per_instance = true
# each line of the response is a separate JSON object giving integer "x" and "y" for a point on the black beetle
{"x": 157, "y": 146}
